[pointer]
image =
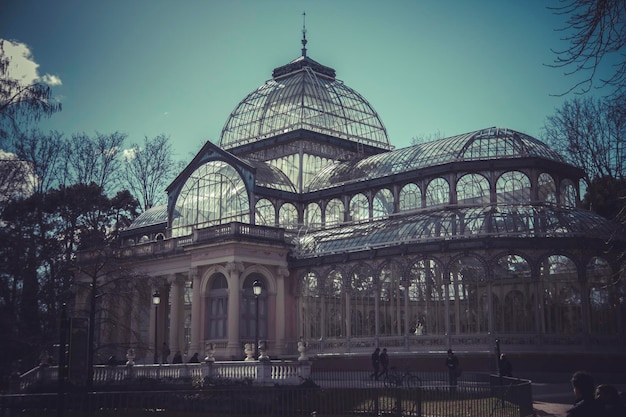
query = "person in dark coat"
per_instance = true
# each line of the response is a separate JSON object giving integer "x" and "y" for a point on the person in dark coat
{"x": 584, "y": 389}
{"x": 452, "y": 363}
{"x": 194, "y": 358}
{"x": 384, "y": 363}
{"x": 505, "y": 367}
{"x": 165, "y": 352}
{"x": 178, "y": 357}
{"x": 375, "y": 363}
{"x": 609, "y": 398}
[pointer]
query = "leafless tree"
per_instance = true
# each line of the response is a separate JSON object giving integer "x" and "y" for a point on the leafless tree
{"x": 42, "y": 153}
{"x": 94, "y": 159}
{"x": 21, "y": 103}
{"x": 149, "y": 167}
{"x": 429, "y": 137}
{"x": 595, "y": 31}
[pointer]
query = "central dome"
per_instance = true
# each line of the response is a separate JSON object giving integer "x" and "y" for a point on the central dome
{"x": 304, "y": 95}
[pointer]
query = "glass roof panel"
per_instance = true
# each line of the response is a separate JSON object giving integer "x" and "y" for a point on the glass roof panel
{"x": 154, "y": 215}
{"x": 451, "y": 223}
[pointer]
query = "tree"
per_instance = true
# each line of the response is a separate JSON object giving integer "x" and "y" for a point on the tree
{"x": 595, "y": 31}
{"x": 21, "y": 100}
{"x": 149, "y": 168}
{"x": 591, "y": 134}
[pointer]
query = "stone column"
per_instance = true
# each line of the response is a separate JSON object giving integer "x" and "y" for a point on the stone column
{"x": 196, "y": 321}
{"x": 234, "y": 270}
{"x": 177, "y": 285}
{"x": 280, "y": 307}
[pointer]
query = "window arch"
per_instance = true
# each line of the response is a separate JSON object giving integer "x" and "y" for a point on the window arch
{"x": 288, "y": 216}
{"x": 562, "y": 307}
{"x": 427, "y": 296}
{"x": 335, "y": 305}
{"x": 547, "y": 188}
{"x": 217, "y": 307}
{"x": 469, "y": 310}
{"x": 311, "y": 307}
{"x": 603, "y": 298}
{"x": 410, "y": 197}
{"x": 437, "y": 192}
{"x": 513, "y": 292}
{"x": 265, "y": 213}
{"x": 568, "y": 193}
{"x": 390, "y": 301}
{"x": 213, "y": 194}
{"x": 513, "y": 187}
{"x": 382, "y": 205}
{"x": 334, "y": 214}
{"x": 359, "y": 208}
{"x": 313, "y": 216}
{"x": 472, "y": 189}
{"x": 362, "y": 304}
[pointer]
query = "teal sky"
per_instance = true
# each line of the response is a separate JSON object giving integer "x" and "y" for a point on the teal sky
{"x": 146, "y": 67}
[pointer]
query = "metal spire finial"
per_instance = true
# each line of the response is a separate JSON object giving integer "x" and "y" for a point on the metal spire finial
{"x": 304, "y": 34}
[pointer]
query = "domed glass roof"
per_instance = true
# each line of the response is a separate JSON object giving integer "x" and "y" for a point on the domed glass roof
{"x": 304, "y": 95}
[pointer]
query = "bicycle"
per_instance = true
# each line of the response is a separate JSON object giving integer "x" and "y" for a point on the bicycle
{"x": 401, "y": 379}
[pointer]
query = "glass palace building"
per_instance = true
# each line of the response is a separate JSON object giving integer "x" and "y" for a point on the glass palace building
{"x": 356, "y": 244}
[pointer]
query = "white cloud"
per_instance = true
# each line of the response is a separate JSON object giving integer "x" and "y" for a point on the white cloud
{"x": 129, "y": 154}
{"x": 22, "y": 66}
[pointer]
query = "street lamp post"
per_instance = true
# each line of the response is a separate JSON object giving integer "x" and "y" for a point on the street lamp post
{"x": 256, "y": 288}
{"x": 156, "y": 300}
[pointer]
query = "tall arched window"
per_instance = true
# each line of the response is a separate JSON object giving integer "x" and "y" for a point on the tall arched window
{"x": 603, "y": 298}
{"x": 334, "y": 214}
{"x": 410, "y": 197}
{"x": 359, "y": 208}
{"x": 437, "y": 192}
{"x": 311, "y": 307}
{"x": 469, "y": 309}
{"x": 547, "y": 188}
{"x": 265, "y": 214}
{"x": 390, "y": 301}
{"x": 213, "y": 194}
{"x": 248, "y": 317}
{"x": 472, "y": 189}
{"x": 568, "y": 193}
{"x": 427, "y": 296}
{"x": 335, "y": 305}
{"x": 362, "y": 304}
{"x": 382, "y": 205}
{"x": 514, "y": 296}
{"x": 288, "y": 216}
{"x": 313, "y": 216}
{"x": 217, "y": 307}
{"x": 562, "y": 308}
{"x": 513, "y": 187}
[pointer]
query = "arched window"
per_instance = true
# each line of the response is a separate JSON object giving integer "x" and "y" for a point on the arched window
{"x": 335, "y": 305}
{"x": 469, "y": 309}
{"x": 514, "y": 295}
{"x": 568, "y": 193}
{"x": 313, "y": 216}
{"x": 288, "y": 216}
{"x": 437, "y": 192}
{"x": 311, "y": 307}
{"x": 248, "y": 317}
{"x": 472, "y": 189}
{"x": 427, "y": 296}
{"x": 334, "y": 214}
{"x": 513, "y": 187}
{"x": 604, "y": 298}
{"x": 410, "y": 197}
{"x": 382, "y": 205}
{"x": 265, "y": 214}
{"x": 390, "y": 301}
{"x": 562, "y": 308}
{"x": 547, "y": 188}
{"x": 213, "y": 194}
{"x": 359, "y": 208}
{"x": 217, "y": 308}
{"x": 362, "y": 304}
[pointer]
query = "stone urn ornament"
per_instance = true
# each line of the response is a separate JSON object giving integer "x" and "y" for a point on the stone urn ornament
{"x": 130, "y": 357}
{"x": 302, "y": 350}
{"x": 248, "y": 349}
{"x": 210, "y": 351}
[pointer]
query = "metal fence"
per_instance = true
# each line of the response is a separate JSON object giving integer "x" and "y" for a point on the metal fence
{"x": 326, "y": 394}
